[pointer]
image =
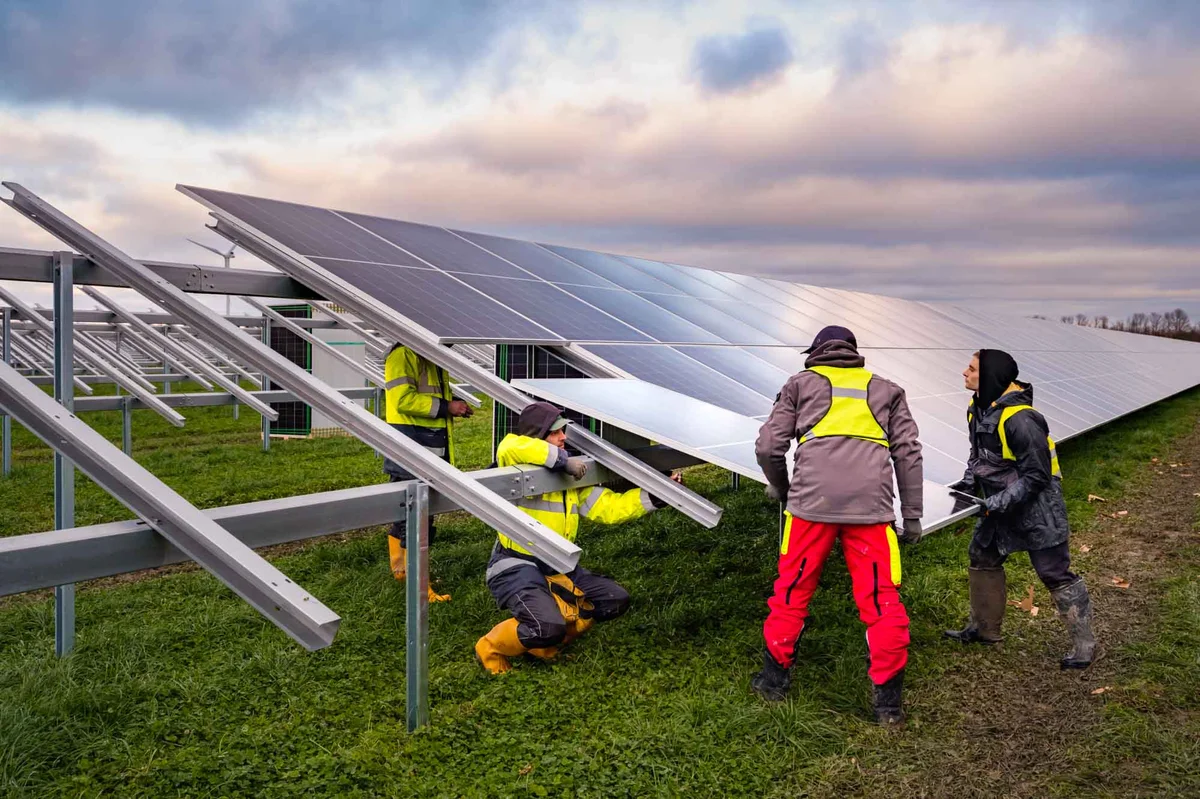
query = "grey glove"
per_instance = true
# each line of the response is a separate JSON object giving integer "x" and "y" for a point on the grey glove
{"x": 774, "y": 494}
{"x": 911, "y": 532}
{"x": 577, "y": 467}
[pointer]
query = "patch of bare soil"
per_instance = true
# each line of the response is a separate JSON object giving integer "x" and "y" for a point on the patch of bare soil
{"x": 1004, "y": 721}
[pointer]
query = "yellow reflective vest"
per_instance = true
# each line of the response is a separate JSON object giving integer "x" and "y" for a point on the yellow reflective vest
{"x": 849, "y": 415}
{"x": 561, "y": 510}
{"x": 1006, "y": 452}
{"x": 417, "y": 393}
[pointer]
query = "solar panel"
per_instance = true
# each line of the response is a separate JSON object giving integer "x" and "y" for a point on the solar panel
{"x": 709, "y": 318}
{"x": 672, "y": 369}
{"x": 437, "y": 246}
{"x": 444, "y": 306}
{"x": 613, "y": 269}
{"x": 471, "y": 286}
{"x": 555, "y": 309}
{"x": 538, "y": 260}
{"x": 651, "y": 319}
{"x": 306, "y": 230}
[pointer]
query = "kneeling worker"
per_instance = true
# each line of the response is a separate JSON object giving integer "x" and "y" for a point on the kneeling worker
{"x": 551, "y": 609}
{"x": 419, "y": 405}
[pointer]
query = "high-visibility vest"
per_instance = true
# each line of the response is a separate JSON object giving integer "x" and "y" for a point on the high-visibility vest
{"x": 1008, "y": 412}
{"x": 849, "y": 415}
{"x": 415, "y": 393}
{"x": 561, "y": 510}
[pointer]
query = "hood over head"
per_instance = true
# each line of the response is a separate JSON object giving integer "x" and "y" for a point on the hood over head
{"x": 997, "y": 371}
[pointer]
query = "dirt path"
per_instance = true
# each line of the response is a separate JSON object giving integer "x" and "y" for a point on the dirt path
{"x": 1004, "y": 721}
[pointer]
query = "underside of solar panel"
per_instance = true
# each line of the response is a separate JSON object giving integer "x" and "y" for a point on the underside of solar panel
{"x": 726, "y": 339}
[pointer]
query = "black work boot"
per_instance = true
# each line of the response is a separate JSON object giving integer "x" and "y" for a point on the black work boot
{"x": 988, "y": 600}
{"x": 1075, "y": 609}
{"x": 773, "y": 682}
{"x": 889, "y": 700}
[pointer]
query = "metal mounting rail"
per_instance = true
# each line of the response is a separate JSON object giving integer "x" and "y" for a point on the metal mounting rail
{"x": 182, "y": 351}
{"x": 373, "y": 343}
{"x": 235, "y": 368}
{"x": 132, "y": 384}
{"x": 236, "y": 565}
{"x": 367, "y": 372}
{"x": 373, "y": 431}
{"x": 425, "y": 344}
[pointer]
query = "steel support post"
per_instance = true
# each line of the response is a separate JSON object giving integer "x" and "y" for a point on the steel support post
{"x": 265, "y": 380}
{"x": 64, "y": 470}
{"x": 736, "y": 480}
{"x": 416, "y": 607}
{"x": 5, "y": 420}
{"x": 127, "y": 425}
{"x": 166, "y": 366}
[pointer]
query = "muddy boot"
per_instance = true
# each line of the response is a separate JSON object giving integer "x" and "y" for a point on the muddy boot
{"x": 988, "y": 600}
{"x": 501, "y": 643}
{"x": 888, "y": 700}
{"x": 773, "y": 682}
{"x": 1075, "y": 609}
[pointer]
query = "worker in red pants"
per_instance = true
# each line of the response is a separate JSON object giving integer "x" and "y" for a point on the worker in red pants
{"x": 853, "y": 431}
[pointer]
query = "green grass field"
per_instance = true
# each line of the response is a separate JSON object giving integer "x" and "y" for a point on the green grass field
{"x": 178, "y": 688}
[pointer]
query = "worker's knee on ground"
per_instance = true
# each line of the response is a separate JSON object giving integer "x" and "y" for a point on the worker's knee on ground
{"x": 611, "y": 606}
{"x": 550, "y": 633}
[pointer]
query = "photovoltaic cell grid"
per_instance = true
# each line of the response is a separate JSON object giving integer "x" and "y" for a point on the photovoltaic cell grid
{"x": 724, "y": 338}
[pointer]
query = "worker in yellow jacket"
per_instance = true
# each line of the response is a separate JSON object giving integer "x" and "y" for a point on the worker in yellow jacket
{"x": 551, "y": 609}
{"x": 419, "y": 404}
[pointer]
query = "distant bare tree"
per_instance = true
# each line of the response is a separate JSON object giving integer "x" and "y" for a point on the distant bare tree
{"x": 1156, "y": 323}
{"x": 1101, "y": 321}
{"x": 1081, "y": 319}
{"x": 1177, "y": 322}
{"x": 1138, "y": 323}
{"x": 1067, "y": 320}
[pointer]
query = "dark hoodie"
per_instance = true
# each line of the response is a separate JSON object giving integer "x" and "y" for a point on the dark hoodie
{"x": 997, "y": 371}
{"x": 840, "y": 479}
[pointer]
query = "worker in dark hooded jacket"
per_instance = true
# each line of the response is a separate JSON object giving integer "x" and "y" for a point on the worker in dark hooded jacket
{"x": 552, "y": 609}
{"x": 853, "y": 430}
{"x": 1013, "y": 469}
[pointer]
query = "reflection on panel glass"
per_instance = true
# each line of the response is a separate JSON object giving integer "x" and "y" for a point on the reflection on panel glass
{"x": 709, "y": 318}
{"x": 438, "y": 302}
{"x": 555, "y": 309}
{"x": 651, "y": 319}
{"x": 674, "y": 370}
{"x": 613, "y": 269}
{"x": 538, "y": 260}
{"x": 743, "y": 367}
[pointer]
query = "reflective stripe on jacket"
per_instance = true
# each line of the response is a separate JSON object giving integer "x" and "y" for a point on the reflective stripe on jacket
{"x": 849, "y": 415}
{"x": 417, "y": 394}
{"x": 561, "y": 510}
{"x": 1007, "y": 412}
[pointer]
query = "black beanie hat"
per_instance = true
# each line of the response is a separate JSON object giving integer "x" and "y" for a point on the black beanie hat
{"x": 997, "y": 371}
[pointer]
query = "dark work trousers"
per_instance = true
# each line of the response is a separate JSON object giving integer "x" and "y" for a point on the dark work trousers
{"x": 399, "y": 529}
{"x": 1053, "y": 564}
{"x": 524, "y": 593}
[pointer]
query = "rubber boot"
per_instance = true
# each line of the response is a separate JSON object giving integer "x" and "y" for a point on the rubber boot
{"x": 574, "y": 630}
{"x": 398, "y": 557}
{"x": 988, "y": 600}
{"x": 501, "y": 643}
{"x": 773, "y": 682}
{"x": 1075, "y": 609}
{"x": 888, "y": 698}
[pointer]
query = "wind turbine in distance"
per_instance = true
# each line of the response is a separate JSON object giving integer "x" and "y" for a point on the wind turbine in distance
{"x": 226, "y": 255}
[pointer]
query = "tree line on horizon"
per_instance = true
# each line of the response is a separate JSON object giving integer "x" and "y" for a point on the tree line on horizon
{"x": 1172, "y": 324}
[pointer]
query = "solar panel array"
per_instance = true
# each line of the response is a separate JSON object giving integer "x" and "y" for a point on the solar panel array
{"x": 728, "y": 339}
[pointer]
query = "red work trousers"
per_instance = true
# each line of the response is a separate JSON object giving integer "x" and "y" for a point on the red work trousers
{"x": 873, "y": 558}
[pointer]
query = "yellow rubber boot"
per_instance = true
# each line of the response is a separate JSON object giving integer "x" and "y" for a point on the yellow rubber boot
{"x": 501, "y": 643}
{"x": 397, "y": 555}
{"x": 545, "y": 652}
{"x": 581, "y": 627}
{"x": 434, "y": 596}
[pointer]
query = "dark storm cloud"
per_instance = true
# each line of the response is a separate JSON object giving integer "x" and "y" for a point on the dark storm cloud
{"x": 214, "y": 62}
{"x": 724, "y": 64}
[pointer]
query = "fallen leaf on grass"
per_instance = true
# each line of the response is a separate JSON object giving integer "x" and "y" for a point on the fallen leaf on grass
{"x": 1120, "y": 514}
{"x": 1174, "y": 465}
{"x": 1154, "y": 460}
{"x": 1181, "y": 474}
{"x": 1085, "y": 548}
{"x": 525, "y": 769}
{"x": 1099, "y": 691}
{"x": 1026, "y": 604}
{"x": 1096, "y": 498}
{"x": 1197, "y": 494}
{"x": 1120, "y": 582}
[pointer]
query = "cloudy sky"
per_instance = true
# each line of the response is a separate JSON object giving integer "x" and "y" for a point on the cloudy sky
{"x": 1037, "y": 157}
